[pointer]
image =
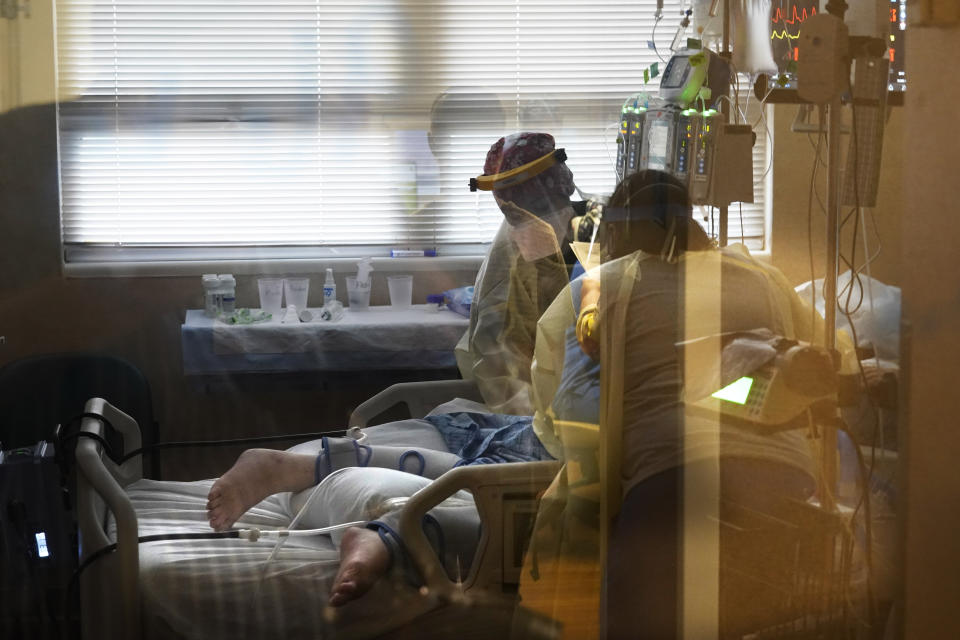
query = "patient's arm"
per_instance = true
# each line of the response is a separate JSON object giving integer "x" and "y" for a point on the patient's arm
{"x": 256, "y": 474}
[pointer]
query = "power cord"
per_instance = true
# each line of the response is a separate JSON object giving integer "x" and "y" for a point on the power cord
{"x": 110, "y": 548}
{"x": 235, "y": 441}
{"x": 119, "y": 460}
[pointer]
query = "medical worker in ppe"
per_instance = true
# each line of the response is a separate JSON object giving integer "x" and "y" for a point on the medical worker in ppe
{"x": 528, "y": 264}
{"x": 663, "y": 288}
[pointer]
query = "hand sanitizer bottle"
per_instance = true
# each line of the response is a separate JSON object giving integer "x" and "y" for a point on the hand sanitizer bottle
{"x": 329, "y": 288}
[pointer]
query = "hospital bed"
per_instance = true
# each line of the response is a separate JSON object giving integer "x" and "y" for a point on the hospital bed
{"x": 226, "y": 588}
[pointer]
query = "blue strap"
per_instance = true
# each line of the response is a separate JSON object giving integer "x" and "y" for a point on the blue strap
{"x": 324, "y": 449}
{"x": 362, "y": 461}
{"x": 391, "y": 540}
{"x": 441, "y": 542}
{"x": 411, "y": 452}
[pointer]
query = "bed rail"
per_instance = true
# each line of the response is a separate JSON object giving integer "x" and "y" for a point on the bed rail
{"x": 491, "y": 485}
{"x": 419, "y": 397}
{"x": 100, "y": 488}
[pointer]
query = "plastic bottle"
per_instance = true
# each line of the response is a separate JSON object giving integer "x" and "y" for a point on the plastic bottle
{"x": 363, "y": 271}
{"x": 329, "y": 288}
{"x": 211, "y": 292}
{"x": 228, "y": 293}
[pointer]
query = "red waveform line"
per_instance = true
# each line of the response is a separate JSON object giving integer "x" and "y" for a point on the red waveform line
{"x": 801, "y": 16}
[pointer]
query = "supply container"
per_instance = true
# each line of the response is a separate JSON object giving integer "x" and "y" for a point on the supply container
{"x": 401, "y": 291}
{"x": 211, "y": 295}
{"x": 329, "y": 288}
{"x": 358, "y": 294}
{"x": 295, "y": 290}
{"x": 228, "y": 293}
{"x": 271, "y": 295}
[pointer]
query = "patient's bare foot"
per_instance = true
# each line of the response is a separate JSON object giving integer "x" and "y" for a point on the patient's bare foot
{"x": 363, "y": 559}
{"x": 256, "y": 474}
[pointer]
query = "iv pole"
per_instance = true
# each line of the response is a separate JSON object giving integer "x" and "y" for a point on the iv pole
{"x": 726, "y": 54}
{"x": 837, "y": 8}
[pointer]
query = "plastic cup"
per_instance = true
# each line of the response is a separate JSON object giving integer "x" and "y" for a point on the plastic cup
{"x": 358, "y": 294}
{"x": 271, "y": 295}
{"x": 401, "y": 291}
{"x": 295, "y": 291}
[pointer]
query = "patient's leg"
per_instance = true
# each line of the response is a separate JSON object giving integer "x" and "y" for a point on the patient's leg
{"x": 364, "y": 558}
{"x": 256, "y": 474}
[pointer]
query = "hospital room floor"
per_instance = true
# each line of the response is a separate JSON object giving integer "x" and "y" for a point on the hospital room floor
{"x": 568, "y": 592}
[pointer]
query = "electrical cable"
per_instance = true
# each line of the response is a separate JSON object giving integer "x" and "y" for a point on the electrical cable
{"x": 119, "y": 460}
{"x": 99, "y": 553}
{"x": 848, "y": 312}
{"x": 813, "y": 275}
{"x": 742, "y": 241}
{"x": 234, "y": 441}
{"x": 865, "y": 475}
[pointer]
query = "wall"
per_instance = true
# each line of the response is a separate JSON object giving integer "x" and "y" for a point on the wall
{"x": 139, "y": 318}
{"x": 794, "y": 155}
{"x": 135, "y": 318}
{"x": 27, "y": 57}
{"x": 931, "y": 293}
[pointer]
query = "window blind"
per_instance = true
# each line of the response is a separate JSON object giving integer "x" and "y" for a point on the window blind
{"x": 300, "y": 127}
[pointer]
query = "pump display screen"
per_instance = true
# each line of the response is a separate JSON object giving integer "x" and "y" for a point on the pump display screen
{"x": 737, "y": 391}
{"x": 676, "y": 72}
{"x": 658, "y": 141}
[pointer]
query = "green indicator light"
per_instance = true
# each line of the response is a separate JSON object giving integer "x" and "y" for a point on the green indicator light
{"x": 689, "y": 112}
{"x": 736, "y": 391}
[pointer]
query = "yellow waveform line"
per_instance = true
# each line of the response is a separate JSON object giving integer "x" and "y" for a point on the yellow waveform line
{"x": 783, "y": 35}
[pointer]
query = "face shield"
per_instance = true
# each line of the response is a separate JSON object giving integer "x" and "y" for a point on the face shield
{"x": 532, "y": 186}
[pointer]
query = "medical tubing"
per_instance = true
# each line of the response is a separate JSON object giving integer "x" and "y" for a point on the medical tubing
{"x": 296, "y": 519}
{"x": 254, "y": 533}
{"x": 293, "y": 523}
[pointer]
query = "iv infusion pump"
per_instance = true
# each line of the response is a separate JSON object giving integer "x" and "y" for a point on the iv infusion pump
{"x": 682, "y": 142}
{"x": 696, "y": 145}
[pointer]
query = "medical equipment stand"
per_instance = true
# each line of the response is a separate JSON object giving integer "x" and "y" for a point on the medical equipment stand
{"x": 726, "y": 54}
{"x": 828, "y": 479}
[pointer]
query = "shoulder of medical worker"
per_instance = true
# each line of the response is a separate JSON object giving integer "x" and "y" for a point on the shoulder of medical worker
{"x": 738, "y": 250}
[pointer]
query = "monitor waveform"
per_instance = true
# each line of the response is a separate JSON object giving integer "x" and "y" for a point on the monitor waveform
{"x": 797, "y": 15}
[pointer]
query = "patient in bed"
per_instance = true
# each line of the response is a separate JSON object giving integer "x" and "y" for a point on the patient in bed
{"x": 651, "y": 233}
{"x": 522, "y": 274}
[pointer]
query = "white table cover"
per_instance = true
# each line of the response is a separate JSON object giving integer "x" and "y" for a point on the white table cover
{"x": 379, "y": 338}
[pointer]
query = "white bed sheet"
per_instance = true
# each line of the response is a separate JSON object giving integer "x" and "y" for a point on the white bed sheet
{"x": 207, "y": 589}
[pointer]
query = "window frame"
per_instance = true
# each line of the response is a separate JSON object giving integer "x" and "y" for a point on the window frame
{"x": 98, "y": 261}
